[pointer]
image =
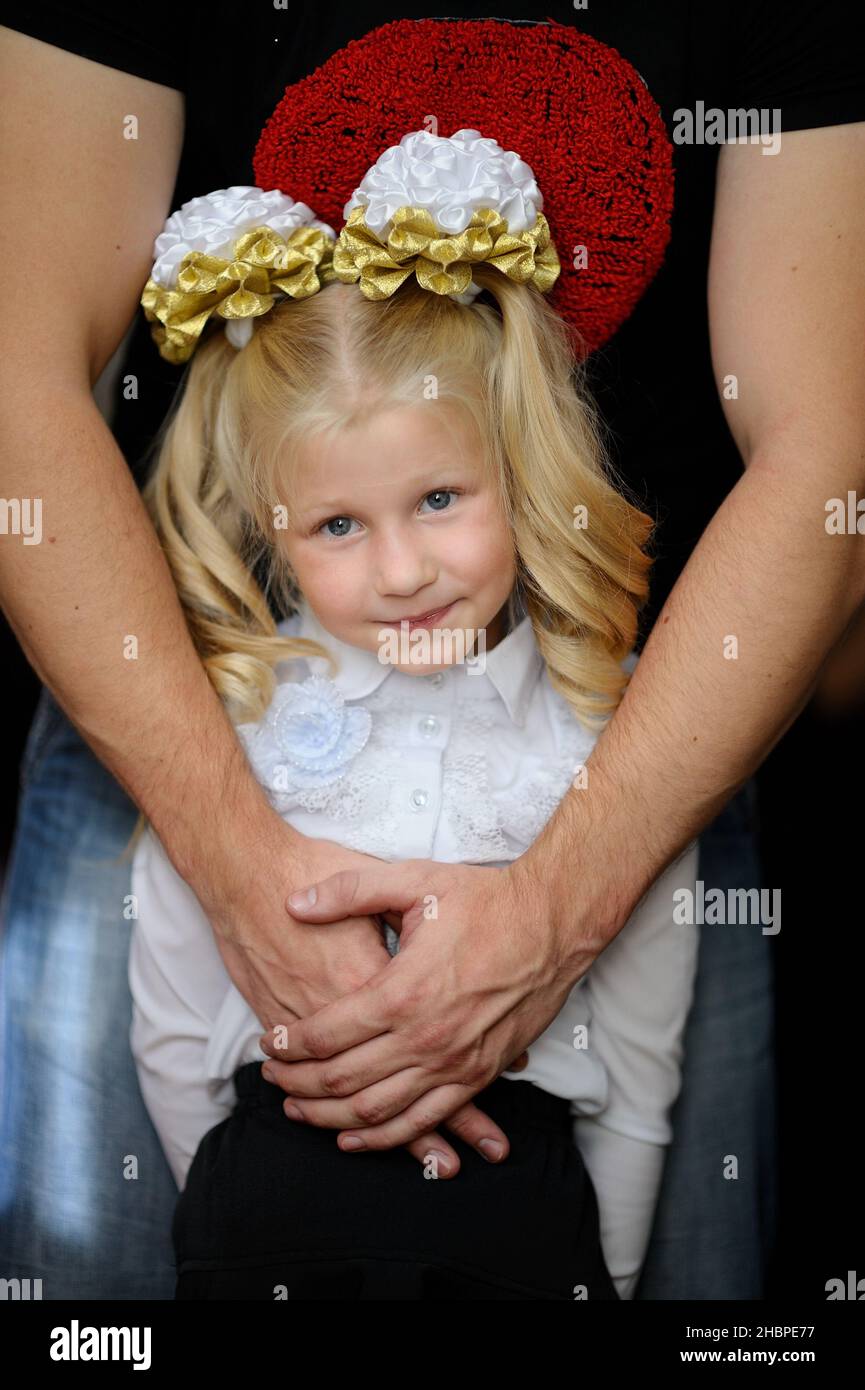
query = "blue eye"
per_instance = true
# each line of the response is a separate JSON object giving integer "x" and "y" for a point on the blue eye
{"x": 441, "y": 492}
{"x": 336, "y": 519}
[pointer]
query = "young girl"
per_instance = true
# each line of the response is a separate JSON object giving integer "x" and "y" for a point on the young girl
{"x": 381, "y": 465}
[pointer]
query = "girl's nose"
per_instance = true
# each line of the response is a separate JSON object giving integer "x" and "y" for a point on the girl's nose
{"x": 403, "y": 567}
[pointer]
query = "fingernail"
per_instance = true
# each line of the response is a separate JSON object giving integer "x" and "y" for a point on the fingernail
{"x": 442, "y": 1161}
{"x": 268, "y": 1072}
{"x": 352, "y": 1142}
{"x": 293, "y": 1111}
{"x": 303, "y": 898}
{"x": 492, "y": 1148}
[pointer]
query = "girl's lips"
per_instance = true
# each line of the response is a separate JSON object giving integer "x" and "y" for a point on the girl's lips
{"x": 421, "y": 622}
{"x": 431, "y": 618}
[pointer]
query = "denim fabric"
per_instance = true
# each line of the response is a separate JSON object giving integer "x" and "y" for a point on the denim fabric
{"x": 86, "y": 1195}
{"x": 713, "y": 1234}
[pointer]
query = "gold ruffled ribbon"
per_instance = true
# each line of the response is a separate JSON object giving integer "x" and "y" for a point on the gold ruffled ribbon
{"x": 441, "y": 263}
{"x": 263, "y": 264}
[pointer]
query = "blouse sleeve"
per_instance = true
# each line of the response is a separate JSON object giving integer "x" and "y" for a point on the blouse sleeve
{"x": 178, "y": 983}
{"x": 626, "y": 1175}
{"x": 640, "y": 991}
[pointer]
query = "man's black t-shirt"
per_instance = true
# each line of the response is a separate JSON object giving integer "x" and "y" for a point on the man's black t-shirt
{"x": 654, "y": 379}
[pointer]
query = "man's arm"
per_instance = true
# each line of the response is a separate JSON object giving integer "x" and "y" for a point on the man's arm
{"x": 82, "y": 206}
{"x": 736, "y": 651}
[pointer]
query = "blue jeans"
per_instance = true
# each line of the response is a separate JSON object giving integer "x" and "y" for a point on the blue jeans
{"x": 86, "y": 1196}
{"x": 713, "y": 1233}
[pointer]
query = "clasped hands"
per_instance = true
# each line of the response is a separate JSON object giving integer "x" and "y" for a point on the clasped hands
{"x": 481, "y": 971}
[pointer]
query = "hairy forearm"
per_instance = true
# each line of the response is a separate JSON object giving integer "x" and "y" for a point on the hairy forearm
{"x": 96, "y": 612}
{"x": 730, "y": 662}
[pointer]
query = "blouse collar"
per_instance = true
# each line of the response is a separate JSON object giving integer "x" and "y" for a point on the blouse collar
{"x": 513, "y": 665}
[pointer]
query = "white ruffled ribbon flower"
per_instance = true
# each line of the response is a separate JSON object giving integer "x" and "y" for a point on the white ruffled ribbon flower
{"x": 212, "y": 224}
{"x": 452, "y": 177}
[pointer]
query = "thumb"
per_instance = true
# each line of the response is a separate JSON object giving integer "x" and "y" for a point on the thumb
{"x": 355, "y": 893}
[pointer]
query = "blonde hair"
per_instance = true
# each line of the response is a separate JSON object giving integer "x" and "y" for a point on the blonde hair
{"x": 329, "y": 361}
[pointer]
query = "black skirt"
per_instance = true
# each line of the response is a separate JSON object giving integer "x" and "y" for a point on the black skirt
{"x": 273, "y": 1209}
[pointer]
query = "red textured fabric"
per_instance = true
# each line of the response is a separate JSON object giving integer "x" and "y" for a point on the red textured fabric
{"x": 572, "y": 107}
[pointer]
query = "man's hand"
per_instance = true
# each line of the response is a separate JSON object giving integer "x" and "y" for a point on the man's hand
{"x": 287, "y": 970}
{"x": 479, "y": 975}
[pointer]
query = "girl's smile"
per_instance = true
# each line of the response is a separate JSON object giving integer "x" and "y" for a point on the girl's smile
{"x": 423, "y": 619}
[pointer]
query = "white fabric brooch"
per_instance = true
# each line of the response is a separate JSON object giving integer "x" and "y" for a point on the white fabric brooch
{"x": 212, "y": 224}
{"x": 452, "y": 177}
{"x": 307, "y": 738}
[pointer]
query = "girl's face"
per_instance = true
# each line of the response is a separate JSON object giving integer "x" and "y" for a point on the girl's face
{"x": 398, "y": 518}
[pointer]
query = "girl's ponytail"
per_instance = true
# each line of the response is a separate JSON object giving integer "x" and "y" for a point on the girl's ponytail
{"x": 212, "y": 547}
{"x": 579, "y": 540}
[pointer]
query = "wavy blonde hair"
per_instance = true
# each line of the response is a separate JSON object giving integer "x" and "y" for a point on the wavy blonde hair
{"x": 326, "y": 363}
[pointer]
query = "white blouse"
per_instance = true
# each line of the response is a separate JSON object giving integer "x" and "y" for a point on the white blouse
{"x": 463, "y": 766}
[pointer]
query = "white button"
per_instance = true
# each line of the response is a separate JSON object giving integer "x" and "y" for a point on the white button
{"x": 418, "y": 799}
{"x": 428, "y": 726}
{"x": 436, "y": 680}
